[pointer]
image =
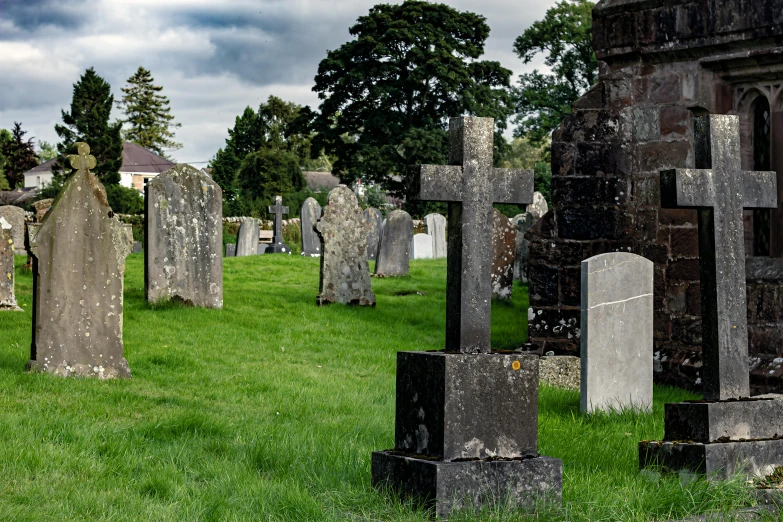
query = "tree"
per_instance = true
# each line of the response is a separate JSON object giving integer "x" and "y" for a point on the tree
{"x": 47, "y": 151}
{"x": 88, "y": 121}
{"x": 19, "y": 156}
{"x": 147, "y": 114}
{"x": 542, "y": 101}
{"x": 387, "y": 95}
{"x": 5, "y": 136}
{"x": 269, "y": 172}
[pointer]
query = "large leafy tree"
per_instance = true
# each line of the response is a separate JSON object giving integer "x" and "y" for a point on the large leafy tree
{"x": 19, "y": 156}
{"x": 88, "y": 121}
{"x": 5, "y": 136}
{"x": 388, "y": 93}
{"x": 542, "y": 101}
{"x": 148, "y": 117}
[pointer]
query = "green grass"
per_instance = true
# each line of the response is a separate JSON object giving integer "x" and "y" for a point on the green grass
{"x": 270, "y": 408}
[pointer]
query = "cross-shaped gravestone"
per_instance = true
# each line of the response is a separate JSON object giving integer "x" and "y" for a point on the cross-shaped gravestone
{"x": 278, "y": 210}
{"x": 471, "y": 186}
{"x": 720, "y": 190}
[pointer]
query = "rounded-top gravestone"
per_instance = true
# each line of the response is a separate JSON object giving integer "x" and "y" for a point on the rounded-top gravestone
{"x": 247, "y": 238}
{"x": 436, "y": 227}
{"x": 395, "y": 245}
{"x": 310, "y": 214}
{"x": 503, "y": 244}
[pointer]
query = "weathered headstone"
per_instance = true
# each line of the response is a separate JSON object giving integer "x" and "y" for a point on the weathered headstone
{"x": 310, "y": 214}
{"x": 726, "y": 434}
{"x": 278, "y": 246}
{"x": 231, "y": 249}
{"x": 395, "y": 245}
{"x": 523, "y": 222}
{"x": 617, "y": 332}
{"x": 80, "y": 250}
{"x": 421, "y": 246}
{"x": 456, "y": 444}
{"x": 436, "y": 227}
{"x": 345, "y": 274}
{"x": 138, "y": 247}
{"x": 247, "y": 238}
{"x": 503, "y": 245}
{"x": 375, "y": 220}
{"x": 15, "y": 217}
{"x": 183, "y": 257}
{"x": 538, "y": 207}
{"x": 7, "y": 244}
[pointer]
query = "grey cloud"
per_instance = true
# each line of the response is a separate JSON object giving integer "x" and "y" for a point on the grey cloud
{"x": 31, "y": 15}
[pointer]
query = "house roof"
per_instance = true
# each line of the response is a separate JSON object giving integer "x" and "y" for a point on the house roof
{"x": 317, "y": 181}
{"x": 135, "y": 158}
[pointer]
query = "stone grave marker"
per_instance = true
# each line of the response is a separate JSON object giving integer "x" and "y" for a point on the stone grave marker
{"x": 395, "y": 245}
{"x": 310, "y": 214}
{"x": 538, "y": 207}
{"x": 375, "y": 220}
{"x": 421, "y": 246}
{"x": 617, "y": 332}
{"x": 436, "y": 227}
{"x": 247, "y": 238}
{"x": 138, "y": 247}
{"x": 278, "y": 246}
{"x": 15, "y": 217}
{"x": 41, "y": 208}
{"x": 345, "y": 274}
{"x": 231, "y": 249}
{"x": 456, "y": 444}
{"x": 727, "y": 432}
{"x": 7, "y": 247}
{"x": 523, "y": 223}
{"x": 503, "y": 245}
{"x": 183, "y": 257}
{"x": 80, "y": 250}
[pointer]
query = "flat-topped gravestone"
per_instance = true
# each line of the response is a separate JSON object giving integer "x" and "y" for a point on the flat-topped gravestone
{"x": 523, "y": 222}
{"x": 7, "y": 295}
{"x": 79, "y": 250}
{"x": 466, "y": 427}
{"x": 310, "y": 214}
{"x": 138, "y": 247}
{"x": 720, "y": 190}
{"x": 15, "y": 217}
{"x": 375, "y": 221}
{"x": 503, "y": 246}
{"x": 247, "y": 238}
{"x": 278, "y": 246}
{"x": 395, "y": 245}
{"x": 345, "y": 274}
{"x": 436, "y": 227}
{"x": 231, "y": 249}
{"x": 617, "y": 332}
{"x": 183, "y": 257}
{"x": 421, "y": 246}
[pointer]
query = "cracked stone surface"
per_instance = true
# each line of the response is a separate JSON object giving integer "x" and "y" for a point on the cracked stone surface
{"x": 503, "y": 245}
{"x": 310, "y": 214}
{"x": 15, "y": 217}
{"x": 345, "y": 273}
{"x": 395, "y": 245}
{"x": 7, "y": 244}
{"x": 79, "y": 262}
{"x": 184, "y": 234}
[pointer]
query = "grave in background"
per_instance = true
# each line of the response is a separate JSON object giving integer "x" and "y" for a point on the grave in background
{"x": 247, "y": 238}
{"x": 7, "y": 269}
{"x": 15, "y": 217}
{"x": 503, "y": 245}
{"x": 278, "y": 246}
{"x": 375, "y": 220}
{"x": 395, "y": 245}
{"x": 309, "y": 216}
{"x": 421, "y": 246}
{"x": 436, "y": 227}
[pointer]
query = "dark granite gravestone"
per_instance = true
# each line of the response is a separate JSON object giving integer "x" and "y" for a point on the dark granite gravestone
{"x": 278, "y": 246}
{"x": 720, "y": 190}
{"x": 7, "y": 247}
{"x": 457, "y": 442}
{"x": 310, "y": 214}
{"x": 247, "y": 238}
{"x": 375, "y": 220}
{"x": 503, "y": 246}
{"x": 15, "y": 217}
{"x": 79, "y": 250}
{"x": 345, "y": 275}
{"x": 395, "y": 245}
{"x": 231, "y": 249}
{"x": 183, "y": 257}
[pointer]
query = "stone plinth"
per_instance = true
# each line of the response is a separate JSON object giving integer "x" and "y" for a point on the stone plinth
{"x": 724, "y": 420}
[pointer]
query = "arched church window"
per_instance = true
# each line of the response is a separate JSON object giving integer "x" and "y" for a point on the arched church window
{"x": 761, "y": 161}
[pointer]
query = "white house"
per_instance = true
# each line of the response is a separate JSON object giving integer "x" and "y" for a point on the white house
{"x": 138, "y": 166}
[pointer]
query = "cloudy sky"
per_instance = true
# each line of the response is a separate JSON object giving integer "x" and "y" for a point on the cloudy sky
{"x": 212, "y": 57}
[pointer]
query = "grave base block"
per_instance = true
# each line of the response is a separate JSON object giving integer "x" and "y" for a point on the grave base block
{"x": 452, "y": 486}
{"x": 277, "y": 248}
{"x": 716, "y": 460}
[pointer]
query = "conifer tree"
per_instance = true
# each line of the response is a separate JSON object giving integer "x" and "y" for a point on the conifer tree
{"x": 88, "y": 121}
{"x": 19, "y": 155}
{"x": 148, "y": 117}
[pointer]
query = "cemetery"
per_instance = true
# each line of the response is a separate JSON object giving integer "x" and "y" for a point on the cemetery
{"x": 452, "y": 335}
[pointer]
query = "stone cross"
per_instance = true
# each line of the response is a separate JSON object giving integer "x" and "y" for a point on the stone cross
{"x": 719, "y": 189}
{"x": 278, "y": 210}
{"x": 471, "y": 186}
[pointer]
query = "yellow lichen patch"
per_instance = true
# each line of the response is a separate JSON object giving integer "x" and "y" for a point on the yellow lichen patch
{"x": 516, "y": 365}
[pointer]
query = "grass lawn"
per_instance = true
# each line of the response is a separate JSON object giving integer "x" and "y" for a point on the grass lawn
{"x": 269, "y": 410}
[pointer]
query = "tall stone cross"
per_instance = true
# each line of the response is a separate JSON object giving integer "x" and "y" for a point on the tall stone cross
{"x": 719, "y": 189}
{"x": 278, "y": 210}
{"x": 470, "y": 185}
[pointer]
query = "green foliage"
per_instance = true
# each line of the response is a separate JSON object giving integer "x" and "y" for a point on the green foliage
{"x": 388, "y": 93}
{"x": 5, "y": 136}
{"x": 543, "y": 100}
{"x": 46, "y": 151}
{"x": 88, "y": 121}
{"x": 543, "y": 180}
{"x": 147, "y": 114}
{"x": 269, "y": 172}
{"x": 18, "y": 156}
{"x": 123, "y": 200}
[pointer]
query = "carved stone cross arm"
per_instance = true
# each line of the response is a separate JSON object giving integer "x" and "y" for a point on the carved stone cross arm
{"x": 695, "y": 188}
{"x": 445, "y": 183}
